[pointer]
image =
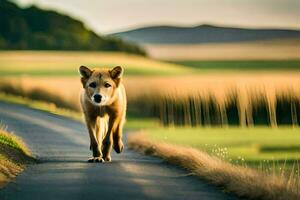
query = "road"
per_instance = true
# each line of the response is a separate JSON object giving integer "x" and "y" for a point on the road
{"x": 62, "y": 148}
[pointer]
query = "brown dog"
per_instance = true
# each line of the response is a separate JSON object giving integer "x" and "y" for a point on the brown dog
{"x": 103, "y": 102}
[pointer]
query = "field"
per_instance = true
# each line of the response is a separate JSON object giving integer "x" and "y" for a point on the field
{"x": 51, "y": 63}
{"x": 246, "y": 92}
{"x": 283, "y": 49}
{"x": 257, "y": 147}
{"x": 160, "y": 94}
{"x": 237, "y": 65}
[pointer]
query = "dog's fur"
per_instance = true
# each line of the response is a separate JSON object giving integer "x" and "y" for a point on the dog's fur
{"x": 104, "y": 119}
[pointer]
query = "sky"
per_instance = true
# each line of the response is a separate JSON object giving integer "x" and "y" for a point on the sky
{"x": 108, "y": 16}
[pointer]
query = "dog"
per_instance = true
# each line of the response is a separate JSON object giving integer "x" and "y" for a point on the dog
{"x": 103, "y": 102}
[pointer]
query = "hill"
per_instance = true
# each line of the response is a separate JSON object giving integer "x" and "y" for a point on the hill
{"x": 202, "y": 34}
{"x": 35, "y": 28}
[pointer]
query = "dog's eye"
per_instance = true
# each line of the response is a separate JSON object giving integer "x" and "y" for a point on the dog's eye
{"x": 107, "y": 85}
{"x": 93, "y": 84}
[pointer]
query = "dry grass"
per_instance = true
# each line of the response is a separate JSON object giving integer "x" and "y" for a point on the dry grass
{"x": 37, "y": 93}
{"x": 14, "y": 155}
{"x": 168, "y": 97}
{"x": 215, "y": 84}
{"x": 265, "y": 50}
{"x": 245, "y": 182}
{"x": 248, "y": 88}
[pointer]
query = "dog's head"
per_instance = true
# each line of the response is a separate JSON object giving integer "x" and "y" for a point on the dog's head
{"x": 101, "y": 84}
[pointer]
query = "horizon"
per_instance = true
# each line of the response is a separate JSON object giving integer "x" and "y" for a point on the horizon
{"x": 203, "y": 24}
{"x": 269, "y": 14}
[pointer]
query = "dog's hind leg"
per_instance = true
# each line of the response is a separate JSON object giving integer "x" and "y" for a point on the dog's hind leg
{"x": 117, "y": 139}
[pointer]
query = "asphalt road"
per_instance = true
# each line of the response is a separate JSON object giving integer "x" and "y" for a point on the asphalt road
{"x": 62, "y": 147}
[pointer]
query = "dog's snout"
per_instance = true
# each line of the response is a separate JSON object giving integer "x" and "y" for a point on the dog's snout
{"x": 97, "y": 98}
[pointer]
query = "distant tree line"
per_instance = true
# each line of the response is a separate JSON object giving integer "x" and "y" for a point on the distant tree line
{"x": 37, "y": 29}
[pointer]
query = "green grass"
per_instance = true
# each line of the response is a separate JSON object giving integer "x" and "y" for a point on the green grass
{"x": 251, "y": 146}
{"x": 135, "y": 123}
{"x": 66, "y": 63}
{"x": 241, "y": 64}
{"x": 11, "y": 141}
{"x": 130, "y": 71}
{"x": 14, "y": 155}
{"x": 183, "y": 68}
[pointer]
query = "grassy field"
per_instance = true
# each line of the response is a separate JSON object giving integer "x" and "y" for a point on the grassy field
{"x": 37, "y": 76}
{"x": 250, "y": 94}
{"x": 55, "y": 63}
{"x": 244, "y": 146}
{"x": 238, "y": 65}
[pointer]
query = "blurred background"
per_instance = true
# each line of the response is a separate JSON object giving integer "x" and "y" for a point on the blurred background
{"x": 219, "y": 76}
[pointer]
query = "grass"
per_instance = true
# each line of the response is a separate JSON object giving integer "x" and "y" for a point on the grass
{"x": 132, "y": 122}
{"x": 238, "y": 141}
{"x": 256, "y": 95}
{"x": 243, "y": 146}
{"x": 12, "y": 141}
{"x": 242, "y": 106}
{"x": 243, "y": 181}
{"x": 238, "y": 65}
{"x": 50, "y": 76}
{"x": 252, "y": 144}
{"x": 55, "y": 75}
{"x": 56, "y": 63}
{"x": 14, "y": 155}
{"x": 40, "y": 105}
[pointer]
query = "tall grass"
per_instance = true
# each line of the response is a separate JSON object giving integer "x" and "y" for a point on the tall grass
{"x": 39, "y": 94}
{"x": 206, "y": 100}
{"x": 236, "y": 108}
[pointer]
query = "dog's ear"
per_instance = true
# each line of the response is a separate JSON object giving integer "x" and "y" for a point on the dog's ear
{"x": 85, "y": 72}
{"x": 116, "y": 72}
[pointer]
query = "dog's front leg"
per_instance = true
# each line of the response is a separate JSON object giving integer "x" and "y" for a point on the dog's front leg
{"x": 95, "y": 146}
{"x": 108, "y": 140}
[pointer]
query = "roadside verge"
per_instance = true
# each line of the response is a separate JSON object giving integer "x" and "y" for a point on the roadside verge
{"x": 14, "y": 156}
{"x": 244, "y": 182}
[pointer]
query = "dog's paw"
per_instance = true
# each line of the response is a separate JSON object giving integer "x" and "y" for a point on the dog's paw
{"x": 96, "y": 159}
{"x": 99, "y": 159}
{"x": 107, "y": 159}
